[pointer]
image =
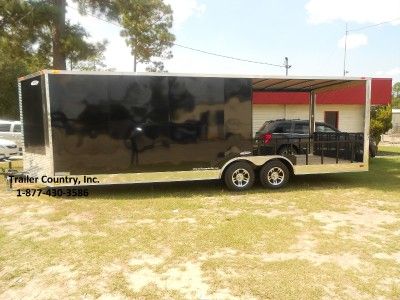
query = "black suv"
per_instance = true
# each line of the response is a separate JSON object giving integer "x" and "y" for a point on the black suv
{"x": 290, "y": 136}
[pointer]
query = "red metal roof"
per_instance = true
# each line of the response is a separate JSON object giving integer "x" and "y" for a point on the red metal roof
{"x": 381, "y": 94}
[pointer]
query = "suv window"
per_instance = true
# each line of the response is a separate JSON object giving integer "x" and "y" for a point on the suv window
{"x": 264, "y": 126}
{"x": 5, "y": 127}
{"x": 17, "y": 128}
{"x": 283, "y": 128}
{"x": 301, "y": 128}
{"x": 323, "y": 128}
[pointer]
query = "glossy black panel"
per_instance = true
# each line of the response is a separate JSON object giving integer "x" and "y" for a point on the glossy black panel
{"x": 197, "y": 120}
{"x": 238, "y": 115}
{"x": 33, "y": 108}
{"x": 116, "y": 124}
{"x": 139, "y": 117}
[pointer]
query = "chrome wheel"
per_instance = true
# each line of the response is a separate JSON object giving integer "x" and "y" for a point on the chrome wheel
{"x": 240, "y": 177}
{"x": 275, "y": 176}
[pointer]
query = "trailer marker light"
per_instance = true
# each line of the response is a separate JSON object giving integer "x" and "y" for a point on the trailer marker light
{"x": 267, "y": 137}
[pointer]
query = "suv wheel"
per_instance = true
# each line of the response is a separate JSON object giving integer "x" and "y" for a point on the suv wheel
{"x": 287, "y": 149}
{"x": 239, "y": 176}
{"x": 274, "y": 174}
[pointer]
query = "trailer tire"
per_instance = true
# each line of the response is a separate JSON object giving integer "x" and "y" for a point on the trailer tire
{"x": 239, "y": 176}
{"x": 274, "y": 174}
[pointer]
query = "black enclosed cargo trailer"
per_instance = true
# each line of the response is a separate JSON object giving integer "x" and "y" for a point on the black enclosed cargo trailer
{"x": 147, "y": 127}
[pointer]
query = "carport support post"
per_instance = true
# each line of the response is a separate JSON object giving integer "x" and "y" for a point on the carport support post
{"x": 367, "y": 121}
{"x": 311, "y": 118}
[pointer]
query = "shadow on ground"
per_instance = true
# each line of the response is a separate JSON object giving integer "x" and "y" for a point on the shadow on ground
{"x": 388, "y": 153}
{"x": 384, "y": 175}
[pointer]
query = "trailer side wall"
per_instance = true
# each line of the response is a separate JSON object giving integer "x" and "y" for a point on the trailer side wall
{"x": 108, "y": 124}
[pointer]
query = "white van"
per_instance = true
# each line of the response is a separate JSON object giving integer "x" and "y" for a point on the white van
{"x": 11, "y": 130}
{"x": 8, "y": 149}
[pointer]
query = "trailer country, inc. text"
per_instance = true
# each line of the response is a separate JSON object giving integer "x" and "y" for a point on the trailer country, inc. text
{"x": 54, "y": 179}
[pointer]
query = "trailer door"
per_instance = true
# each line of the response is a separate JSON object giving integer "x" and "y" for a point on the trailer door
{"x": 34, "y": 125}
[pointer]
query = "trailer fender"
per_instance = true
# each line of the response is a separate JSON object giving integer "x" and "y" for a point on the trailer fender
{"x": 257, "y": 161}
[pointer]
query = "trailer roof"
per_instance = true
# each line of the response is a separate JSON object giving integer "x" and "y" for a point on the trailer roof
{"x": 260, "y": 82}
{"x": 303, "y": 84}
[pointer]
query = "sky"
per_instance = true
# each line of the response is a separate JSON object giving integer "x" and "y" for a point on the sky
{"x": 310, "y": 33}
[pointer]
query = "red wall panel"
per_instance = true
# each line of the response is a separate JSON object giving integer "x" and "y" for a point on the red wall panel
{"x": 381, "y": 94}
{"x": 280, "y": 98}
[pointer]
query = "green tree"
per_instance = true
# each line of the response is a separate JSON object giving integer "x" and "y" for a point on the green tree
{"x": 26, "y": 46}
{"x": 34, "y": 34}
{"x": 145, "y": 25}
{"x": 15, "y": 62}
{"x": 381, "y": 121}
{"x": 156, "y": 66}
{"x": 80, "y": 54}
{"x": 8, "y": 84}
{"x": 396, "y": 95}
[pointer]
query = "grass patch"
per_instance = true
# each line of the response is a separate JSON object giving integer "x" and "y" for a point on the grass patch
{"x": 388, "y": 150}
{"x": 197, "y": 240}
